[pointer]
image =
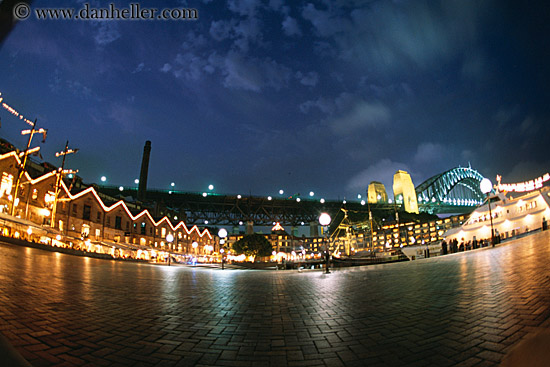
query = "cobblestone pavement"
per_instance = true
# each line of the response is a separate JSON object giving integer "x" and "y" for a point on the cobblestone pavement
{"x": 463, "y": 309}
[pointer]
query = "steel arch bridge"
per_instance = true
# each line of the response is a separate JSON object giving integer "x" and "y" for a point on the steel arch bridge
{"x": 456, "y": 187}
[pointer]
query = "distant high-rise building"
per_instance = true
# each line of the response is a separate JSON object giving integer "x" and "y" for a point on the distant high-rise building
{"x": 404, "y": 192}
{"x": 376, "y": 193}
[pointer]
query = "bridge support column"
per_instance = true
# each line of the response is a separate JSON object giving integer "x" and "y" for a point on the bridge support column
{"x": 313, "y": 229}
{"x": 249, "y": 227}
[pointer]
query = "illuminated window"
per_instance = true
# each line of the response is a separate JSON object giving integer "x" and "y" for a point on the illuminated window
{"x": 6, "y": 184}
{"x": 35, "y": 195}
{"x": 163, "y": 232}
{"x": 49, "y": 198}
{"x": 85, "y": 230}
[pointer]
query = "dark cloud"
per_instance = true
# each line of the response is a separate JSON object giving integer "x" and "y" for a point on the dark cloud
{"x": 291, "y": 27}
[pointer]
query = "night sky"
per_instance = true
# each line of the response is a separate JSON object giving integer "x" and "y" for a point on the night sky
{"x": 257, "y": 96}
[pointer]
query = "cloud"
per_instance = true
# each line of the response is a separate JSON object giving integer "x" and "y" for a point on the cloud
{"x": 242, "y": 33}
{"x": 326, "y": 22}
{"x": 250, "y": 74}
{"x": 166, "y": 68}
{"x": 349, "y": 113}
{"x": 381, "y": 171}
{"x": 139, "y": 68}
{"x": 290, "y": 27}
{"x": 77, "y": 89}
{"x": 246, "y": 32}
{"x": 310, "y": 79}
{"x": 388, "y": 36}
{"x": 276, "y": 4}
{"x": 429, "y": 152}
{"x": 363, "y": 114}
{"x": 506, "y": 114}
{"x": 389, "y": 90}
{"x": 528, "y": 126}
{"x": 323, "y": 104}
{"x": 127, "y": 118}
{"x": 106, "y": 33}
{"x": 194, "y": 41}
{"x": 189, "y": 66}
{"x": 72, "y": 87}
{"x": 221, "y": 29}
{"x": 244, "y": 7}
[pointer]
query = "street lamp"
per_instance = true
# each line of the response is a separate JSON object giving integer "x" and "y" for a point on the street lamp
{"x": 486, "y": 186}
{"x": 222, "y": 233}
{"x": 324, "y": 220}
{"x": 60, "y": 172}
{"x": 22, "y": 165}
{"x": 169, "y": 239}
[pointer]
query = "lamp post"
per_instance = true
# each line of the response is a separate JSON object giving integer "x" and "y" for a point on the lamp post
{"x": 486, "y": 186}
{"x": 222, "y": 233}
{"x": 169, "y": 239}
{"x": 60, "y": 172}
{"x": 324, "y": 220}
{"x": 22, "y": 165}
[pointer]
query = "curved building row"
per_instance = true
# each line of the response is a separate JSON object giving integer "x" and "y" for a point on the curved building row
{"x": 86, "y": 215}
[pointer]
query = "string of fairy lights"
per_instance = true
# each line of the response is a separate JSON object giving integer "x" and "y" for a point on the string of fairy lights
{"x": 13, "y": 111}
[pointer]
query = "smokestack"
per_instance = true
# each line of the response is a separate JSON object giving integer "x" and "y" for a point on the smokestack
{"x": 142, "y": 188}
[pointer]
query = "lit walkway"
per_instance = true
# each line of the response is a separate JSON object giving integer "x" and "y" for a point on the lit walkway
{"x": 462, "y": 309}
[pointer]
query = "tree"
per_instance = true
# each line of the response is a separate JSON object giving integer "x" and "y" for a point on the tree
{"x": 253, "y": 245}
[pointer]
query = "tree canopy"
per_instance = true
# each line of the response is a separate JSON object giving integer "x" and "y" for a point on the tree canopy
{"x": 253, "y": 245}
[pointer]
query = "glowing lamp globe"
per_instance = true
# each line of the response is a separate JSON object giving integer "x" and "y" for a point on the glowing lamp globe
{"x": 169, "y": 237}
{"x": 486, "y": 186}
{"x": 222, "y": 233}
{"x": 194, "y": 244}
{"x": 324, "y": 219}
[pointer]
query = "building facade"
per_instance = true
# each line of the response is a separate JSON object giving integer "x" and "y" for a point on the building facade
{"x": 85, "y": 216}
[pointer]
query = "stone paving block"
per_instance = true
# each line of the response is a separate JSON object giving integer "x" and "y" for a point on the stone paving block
{"x": 491, "y": 356}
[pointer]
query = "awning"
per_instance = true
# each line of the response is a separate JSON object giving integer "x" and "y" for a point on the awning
{"x": 37, "y": 229}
